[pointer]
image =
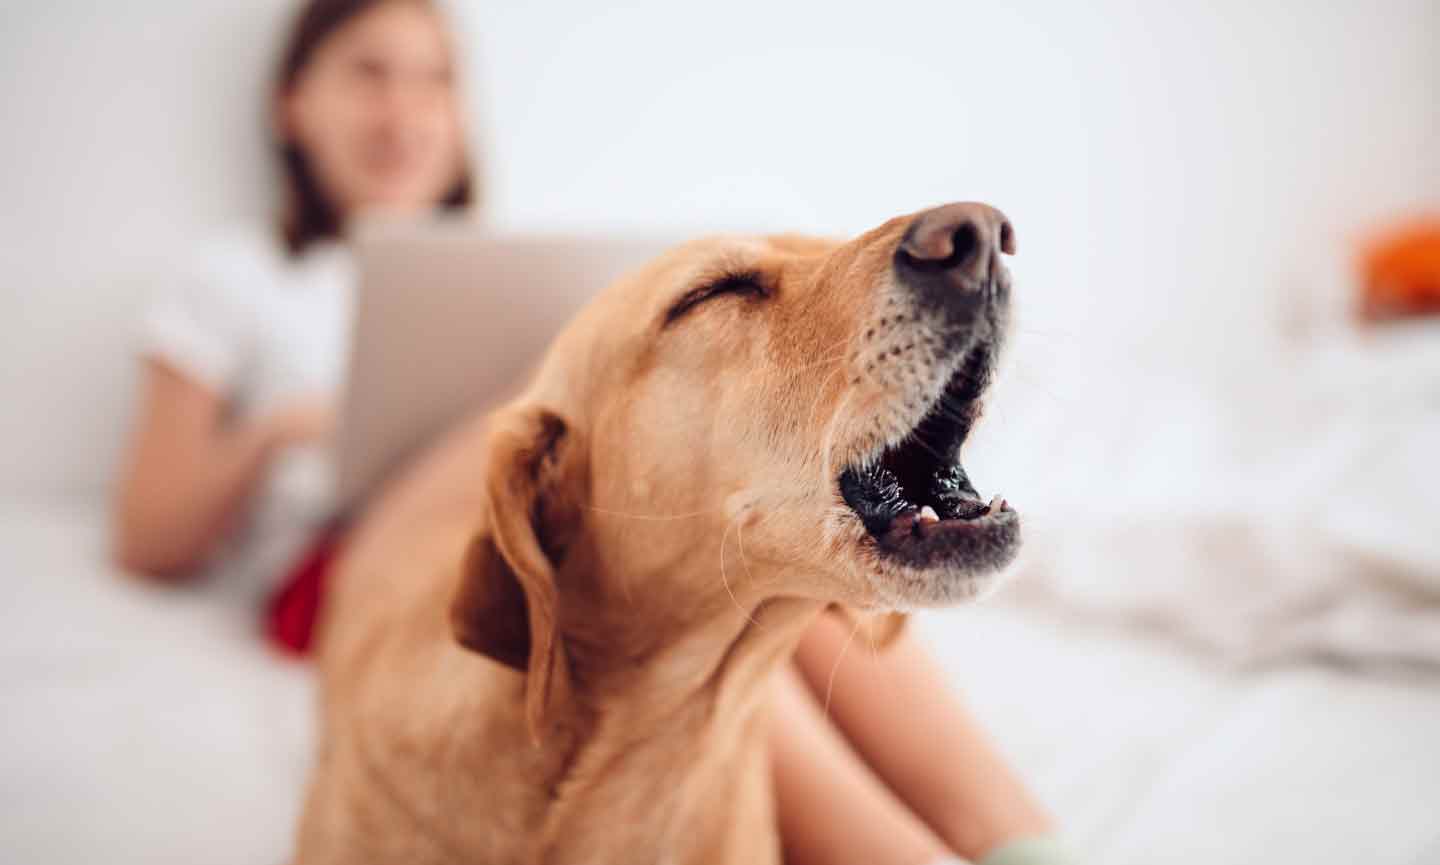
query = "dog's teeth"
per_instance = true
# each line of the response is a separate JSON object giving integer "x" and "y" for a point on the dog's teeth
{"x": 996, "y": 505}
{"x": 928, "y": 515}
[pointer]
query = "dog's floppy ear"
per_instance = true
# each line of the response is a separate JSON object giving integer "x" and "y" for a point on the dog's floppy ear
{"x": 507, "y": 604}
{"x": 879, "y": 630}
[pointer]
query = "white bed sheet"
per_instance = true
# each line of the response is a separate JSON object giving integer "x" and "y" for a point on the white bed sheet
{"x": 139, "y": 726}
{"x": 153, "y": 727}
{"x": 1150, "y": 754}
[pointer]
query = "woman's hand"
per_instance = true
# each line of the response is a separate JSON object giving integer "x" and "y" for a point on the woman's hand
{"x": 189, "y": 474}
{"x": 310, "y": 420}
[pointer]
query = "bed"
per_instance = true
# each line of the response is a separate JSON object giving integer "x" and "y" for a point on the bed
{"x": 152, "y": 726}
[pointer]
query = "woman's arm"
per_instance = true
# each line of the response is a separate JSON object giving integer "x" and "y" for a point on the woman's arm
{"x": 188, "y": 473}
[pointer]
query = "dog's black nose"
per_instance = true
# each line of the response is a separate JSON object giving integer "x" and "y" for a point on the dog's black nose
{"x": 950, "y": 255}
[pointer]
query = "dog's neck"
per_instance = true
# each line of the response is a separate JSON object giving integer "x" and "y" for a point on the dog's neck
{"x": 721, "y": 661}
{"x": 670, "y": 711}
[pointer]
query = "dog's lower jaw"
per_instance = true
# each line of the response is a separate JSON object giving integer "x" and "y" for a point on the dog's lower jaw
{"x": 691, "y": 764}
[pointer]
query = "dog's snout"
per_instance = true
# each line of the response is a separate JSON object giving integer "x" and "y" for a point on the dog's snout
{"x": 950, "y": 255}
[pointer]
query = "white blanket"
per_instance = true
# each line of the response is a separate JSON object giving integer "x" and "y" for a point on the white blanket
{"x": 1293, "y": 514}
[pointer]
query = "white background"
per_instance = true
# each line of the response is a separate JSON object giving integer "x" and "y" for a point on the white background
{"x": 1184, "y": 179}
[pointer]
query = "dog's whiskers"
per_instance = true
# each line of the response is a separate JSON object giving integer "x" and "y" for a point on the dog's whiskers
{"x": 920, "y": 440}
{"x": 822, "y": 362}
{"x": 844, "y": 345}
{"x": 946, "y": 409}
{"x": 830, "y": 684}
{"x": 1021, "y": 330}
{"x": 825, "y": 382}
{"x": 1034, "y": 382}
{"x": 740, "y": 541}
{"x": 820, "y": 395}
{"x": 725, "y": 581}
{"x": 653, "y": 517}
{"x": 870, "y": 642}
{"x": 828, "y": 446}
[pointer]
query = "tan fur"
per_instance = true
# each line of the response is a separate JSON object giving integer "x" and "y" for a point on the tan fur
{"x": 631, "y": 549}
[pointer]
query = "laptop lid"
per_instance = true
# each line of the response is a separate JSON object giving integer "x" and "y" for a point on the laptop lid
{"x": 451, "y": 319}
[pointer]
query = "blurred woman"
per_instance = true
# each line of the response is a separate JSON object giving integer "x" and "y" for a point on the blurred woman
{"x": 229, "y": 470}
{"x": 243, "y": 357}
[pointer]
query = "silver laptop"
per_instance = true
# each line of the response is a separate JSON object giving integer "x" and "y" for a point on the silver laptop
{"x": 451, "y": 319}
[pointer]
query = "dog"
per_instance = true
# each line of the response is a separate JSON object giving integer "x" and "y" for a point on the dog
{"x": 552, "y": 641}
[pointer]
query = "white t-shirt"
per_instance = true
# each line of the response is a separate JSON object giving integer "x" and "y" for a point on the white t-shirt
{"x": 263, "y": 329}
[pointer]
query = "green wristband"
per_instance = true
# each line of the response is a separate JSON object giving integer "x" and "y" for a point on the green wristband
{"x": 1043, "y": 850}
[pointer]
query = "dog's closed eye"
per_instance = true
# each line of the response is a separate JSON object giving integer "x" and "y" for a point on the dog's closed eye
{"x": 747, "y": 283}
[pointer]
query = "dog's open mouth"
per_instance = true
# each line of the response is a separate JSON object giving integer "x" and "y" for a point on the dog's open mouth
{"x": 916, "y": 501}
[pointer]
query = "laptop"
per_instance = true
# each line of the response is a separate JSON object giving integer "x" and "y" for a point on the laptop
{"x": 451, "y": 319}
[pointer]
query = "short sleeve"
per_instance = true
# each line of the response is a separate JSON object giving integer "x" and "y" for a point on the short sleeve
{"x": 200, "y": 322}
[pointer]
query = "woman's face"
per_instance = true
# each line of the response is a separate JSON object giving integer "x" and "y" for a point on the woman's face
{"x": 375, "y": 111}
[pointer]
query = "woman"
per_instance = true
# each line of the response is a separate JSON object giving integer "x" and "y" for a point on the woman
{"x": 243, "y": 358}
{"x": 228, "y": 465}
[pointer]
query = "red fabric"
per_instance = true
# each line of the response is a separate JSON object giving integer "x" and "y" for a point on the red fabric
{"x": 293, "y": 609}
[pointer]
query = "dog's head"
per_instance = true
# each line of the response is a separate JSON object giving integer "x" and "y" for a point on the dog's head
{"x": 745, "y": 419}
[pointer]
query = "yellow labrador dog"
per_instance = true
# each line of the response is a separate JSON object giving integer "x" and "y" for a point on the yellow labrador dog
{"x": 553, "y": 641}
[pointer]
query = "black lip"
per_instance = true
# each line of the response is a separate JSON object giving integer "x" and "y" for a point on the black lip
{"x": 887, "y": 493}
{"x": 986, "y": 543}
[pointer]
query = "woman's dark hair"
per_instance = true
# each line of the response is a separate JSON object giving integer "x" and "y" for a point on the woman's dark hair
{"x": 309, "y": 216}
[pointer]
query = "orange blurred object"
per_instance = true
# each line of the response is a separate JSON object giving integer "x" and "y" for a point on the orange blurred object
{"x": 1400, "y": 271}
